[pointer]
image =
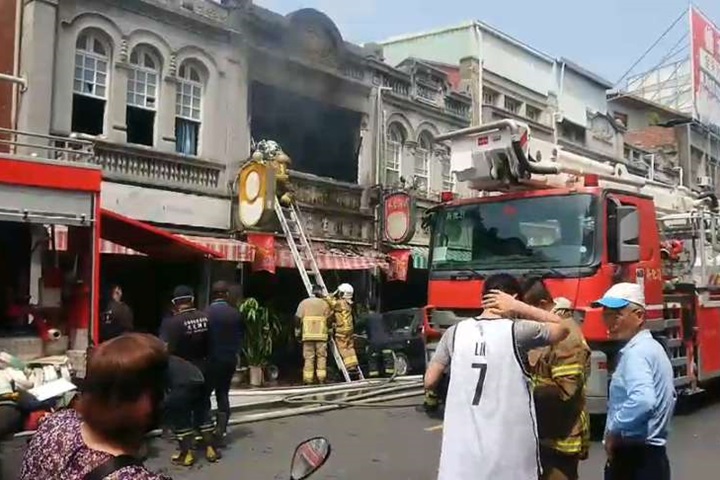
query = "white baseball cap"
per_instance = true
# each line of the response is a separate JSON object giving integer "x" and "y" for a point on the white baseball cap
{"x": 562, "y": 303}
{"x": 621, "y": 295}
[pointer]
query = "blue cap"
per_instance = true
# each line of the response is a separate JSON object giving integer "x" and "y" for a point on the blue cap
{"x": 611, "y": 302}
{"x": 621, "y": 295}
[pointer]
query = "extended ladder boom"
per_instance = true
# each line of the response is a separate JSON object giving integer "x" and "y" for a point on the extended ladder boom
{"x": 306, "y": 264}
{"x": 502, "y": 156}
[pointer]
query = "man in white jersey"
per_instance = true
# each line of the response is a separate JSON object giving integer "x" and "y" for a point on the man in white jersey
{"x": 489, "y": 431}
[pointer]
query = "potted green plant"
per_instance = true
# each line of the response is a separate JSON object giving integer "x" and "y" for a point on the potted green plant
{"x": 261, "y": 330}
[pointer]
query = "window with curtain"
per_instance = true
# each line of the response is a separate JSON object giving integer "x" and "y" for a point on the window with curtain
{"x": 188, "y": 109}
{"x": 90, "y": 83}
{"x": 394, "y": 154}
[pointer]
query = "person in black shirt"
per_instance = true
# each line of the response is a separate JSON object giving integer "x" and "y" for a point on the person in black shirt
{"x": 226, "y": 335}
{"x": 186, "y": 336}
{"x": 117, "y": 317}
{"x": 378, "y": 341}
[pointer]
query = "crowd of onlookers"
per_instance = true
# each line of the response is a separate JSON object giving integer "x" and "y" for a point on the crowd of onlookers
{"x": 515, "y": 400}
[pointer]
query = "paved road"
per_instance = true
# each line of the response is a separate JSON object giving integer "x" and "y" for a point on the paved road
{"x": 400, "y": 444}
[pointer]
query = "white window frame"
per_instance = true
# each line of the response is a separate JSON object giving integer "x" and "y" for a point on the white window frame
{"x": 538, "y": 112}
{"x": 421, "y": 168}
{"x": 448, "y": 179}
{"x": 490, "y": 97}
{"x": 189, "y": 94}
{"x": 143, "y": 81}
{"x": 510, "y": 101}
{"x": 91, "y": 66}
{"x": 393, "y": 153}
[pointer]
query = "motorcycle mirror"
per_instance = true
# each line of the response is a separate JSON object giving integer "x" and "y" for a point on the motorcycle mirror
{"x": 309, "y": 456}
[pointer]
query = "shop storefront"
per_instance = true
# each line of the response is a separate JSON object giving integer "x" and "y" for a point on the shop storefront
{"x": 148, "y": 272}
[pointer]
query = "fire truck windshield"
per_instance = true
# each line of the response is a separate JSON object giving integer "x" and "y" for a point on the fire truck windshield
{"x": 537, "y": 232}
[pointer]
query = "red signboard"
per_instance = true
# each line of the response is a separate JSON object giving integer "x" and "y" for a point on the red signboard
{"x": 398, "y": 267}
{"x": 705, "y": 47}
{"x": 264, "y": 244}
{"x": 398, "y": 217}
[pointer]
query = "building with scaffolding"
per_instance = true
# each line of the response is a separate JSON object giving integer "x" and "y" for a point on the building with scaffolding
{"x": 675, "y": 104}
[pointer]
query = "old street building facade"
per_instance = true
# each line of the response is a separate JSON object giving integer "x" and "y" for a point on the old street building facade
{"x": 416, "y": 101}
{"x": 172, "y": 94}
{"x": 560, "y": 100}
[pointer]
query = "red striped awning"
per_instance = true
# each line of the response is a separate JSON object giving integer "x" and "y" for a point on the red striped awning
{"x": 333, "y": 258}
{"x": 231, "y": 250}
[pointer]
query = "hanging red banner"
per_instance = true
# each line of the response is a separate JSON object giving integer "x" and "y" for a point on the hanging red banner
{"x": 399, "y": 263}
{"x": 264, "y": 244}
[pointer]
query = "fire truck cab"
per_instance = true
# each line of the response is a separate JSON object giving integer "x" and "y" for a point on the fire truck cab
{"x": 49, "y": 300}
{"x": 582, "y": 226}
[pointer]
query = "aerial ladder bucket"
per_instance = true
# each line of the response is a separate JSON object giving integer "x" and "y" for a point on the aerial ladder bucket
{"x": 503, "y": 157}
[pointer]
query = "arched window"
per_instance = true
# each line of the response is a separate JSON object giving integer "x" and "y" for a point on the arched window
{"x": 394, "y": 153}
{"x": 142, "y": 93}
{"x": 90, "y": 83}
{"x": 422, "y": 162}
{"x": 188, "y": 108}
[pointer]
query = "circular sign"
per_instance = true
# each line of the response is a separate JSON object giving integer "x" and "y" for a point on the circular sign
{"x": 399, "y": 218}
{"x": 252, "y": 186}
{"x": 252, "y": 189}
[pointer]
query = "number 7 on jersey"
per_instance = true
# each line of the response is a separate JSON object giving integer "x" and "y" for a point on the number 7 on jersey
{"x": 481, "y": 381}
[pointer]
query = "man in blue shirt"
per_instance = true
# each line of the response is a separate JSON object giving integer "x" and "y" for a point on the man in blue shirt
{"x": 225, "y": 329}
{"x": 642, "y": 393}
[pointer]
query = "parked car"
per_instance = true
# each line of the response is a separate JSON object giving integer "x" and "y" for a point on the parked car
{"x": 404, "y": 329}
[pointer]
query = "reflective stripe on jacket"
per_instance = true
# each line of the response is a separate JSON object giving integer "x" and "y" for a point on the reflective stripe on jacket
{"x": 314, "y": 328}
{"x": 343, "y": 320}
{"x": 559, "y": 376}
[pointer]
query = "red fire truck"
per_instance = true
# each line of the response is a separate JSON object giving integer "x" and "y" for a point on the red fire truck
{"x": 583, "y": 226}
{"x": 56, "y": 292}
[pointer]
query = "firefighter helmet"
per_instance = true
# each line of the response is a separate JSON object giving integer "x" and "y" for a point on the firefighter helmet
{"x": 346, "y": 291}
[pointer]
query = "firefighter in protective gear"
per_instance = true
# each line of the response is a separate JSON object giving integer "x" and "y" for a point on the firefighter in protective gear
{"x": 312, "y": 316}
{"x": 344, "y": 331}
{"x": 559, "y": 375}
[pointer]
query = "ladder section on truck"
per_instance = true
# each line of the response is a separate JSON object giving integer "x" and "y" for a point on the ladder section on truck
{"x": 699, "y": 233}
{"x": 304, "y": 259}
{"x": 670, "y": 332}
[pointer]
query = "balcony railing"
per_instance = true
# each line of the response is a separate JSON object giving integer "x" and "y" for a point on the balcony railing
{"x": 119, "y": 162}
{"x": 144, "y": 166}
{"x": 457, "y": 107}
{"x": 35, "y": 146}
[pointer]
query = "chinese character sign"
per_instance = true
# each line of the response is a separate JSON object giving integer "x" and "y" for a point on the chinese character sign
{"x": 705, "y": 47}
{"x": 264, "y": 252}
{"x": 398, "y": 217}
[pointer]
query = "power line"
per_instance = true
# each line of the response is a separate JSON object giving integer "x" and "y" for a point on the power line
{"x": 655, "y": 44}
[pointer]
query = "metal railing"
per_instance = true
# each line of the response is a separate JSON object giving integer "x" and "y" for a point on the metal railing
{"x": 38, "y": 146}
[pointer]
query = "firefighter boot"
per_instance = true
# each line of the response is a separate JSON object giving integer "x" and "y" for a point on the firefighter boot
{"x": 221, "y": 429}
{"x": 431, "y": 405}
{"x": 184, "y": 456}
{"x": 212, "y": 454}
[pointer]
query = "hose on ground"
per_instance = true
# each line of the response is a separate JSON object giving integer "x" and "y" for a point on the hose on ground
{"x": 364, "y": 396}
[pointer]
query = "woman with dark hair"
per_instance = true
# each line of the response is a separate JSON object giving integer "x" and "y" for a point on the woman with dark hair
{"x": 120, "y": 402}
